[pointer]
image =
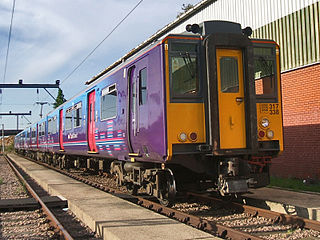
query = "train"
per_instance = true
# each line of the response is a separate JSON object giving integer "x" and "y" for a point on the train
{"x": 198, "y": 110}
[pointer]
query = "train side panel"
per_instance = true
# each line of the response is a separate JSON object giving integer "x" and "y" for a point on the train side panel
{"x": 73, "y": 127}
{"x": 132, "y": 128}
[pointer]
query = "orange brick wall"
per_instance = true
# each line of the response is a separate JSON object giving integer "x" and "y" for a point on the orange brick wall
{"x": 301, "y": 119}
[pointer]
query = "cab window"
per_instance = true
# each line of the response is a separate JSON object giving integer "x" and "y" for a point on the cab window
{"x": 264, "y": 73}
{"x": 184, "y": 70}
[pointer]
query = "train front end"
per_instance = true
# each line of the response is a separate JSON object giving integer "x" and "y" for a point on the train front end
{"x": 224, "y": 113}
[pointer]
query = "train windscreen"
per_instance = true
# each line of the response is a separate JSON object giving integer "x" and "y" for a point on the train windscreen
{"x": 265, "y": 73}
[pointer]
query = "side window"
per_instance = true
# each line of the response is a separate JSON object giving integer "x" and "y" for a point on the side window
{"x": 43, "y": 128}
{"x": 109, "y": 102}
{"x": 54, "y": 125}
{"x": 50, "y": 121}
{"x": 142, "y": 86}
{"x": 77, "y": 115}
{"x": 68, "y": 119}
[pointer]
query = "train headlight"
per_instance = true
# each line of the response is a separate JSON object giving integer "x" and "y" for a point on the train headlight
{"x": 270, "y": 134}
{"x": 264, "y": 122}
{"x": 182, "y": 137}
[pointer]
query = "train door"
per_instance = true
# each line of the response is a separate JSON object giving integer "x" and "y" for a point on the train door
{"x": 138, "y": 107}
{"x": 61, "y": 130}
{"x": 37, "y": 137}
{"x": 231, "y": 99}
{"x": 91, "y": 122}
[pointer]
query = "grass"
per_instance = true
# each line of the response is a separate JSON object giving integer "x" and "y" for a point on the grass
{"x": 1, "y": 180}
{"x": 22, "y": 189}
{"x": 9, "y": 148}
{"x": 295, "y": 184}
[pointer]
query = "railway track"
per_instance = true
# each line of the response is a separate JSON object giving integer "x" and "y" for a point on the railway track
{"x": 41, "y": 217}
{"x": 229, "y": 220}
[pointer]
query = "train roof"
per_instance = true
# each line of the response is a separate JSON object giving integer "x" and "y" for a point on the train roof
{"x": 155, "y": 37}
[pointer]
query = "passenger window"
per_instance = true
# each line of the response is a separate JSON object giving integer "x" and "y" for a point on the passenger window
{"x": 109, "y": 102}
{"x": 52, "y": 125}
{"x": 50, "y": 121}
{"x": 77, "y": 115}
{"x": 229, "y": 75}
{"x": 43, "y": 128}
{"x": 68, "y": 119}
{"x": 143, "y": 86}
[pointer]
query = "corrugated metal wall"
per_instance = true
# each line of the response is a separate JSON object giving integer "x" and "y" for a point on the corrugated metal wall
{"x": 298, "y": 36}
{"x": 293, "y": 24}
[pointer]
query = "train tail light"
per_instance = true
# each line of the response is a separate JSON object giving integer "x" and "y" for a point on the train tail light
{"x": 261, "y": 134}
{"x": 193, "y": 136}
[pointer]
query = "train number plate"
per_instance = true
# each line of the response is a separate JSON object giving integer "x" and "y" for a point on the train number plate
{"x": 274, "y": 109}
{"x": 270, "y": 108}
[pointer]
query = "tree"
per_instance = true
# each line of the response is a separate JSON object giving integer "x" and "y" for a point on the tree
{"x": 185, "y": 8}
{"x": 60, "y": 99}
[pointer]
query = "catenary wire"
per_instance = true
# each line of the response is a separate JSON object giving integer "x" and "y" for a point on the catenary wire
{"x": 123, "y": 19}
{"x": 9, "y": 40}
{"x": 8, "y": 47}
{"x": 75, "y": 69}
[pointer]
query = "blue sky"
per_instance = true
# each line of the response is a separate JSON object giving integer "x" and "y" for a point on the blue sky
{"x": 50, "y": 38}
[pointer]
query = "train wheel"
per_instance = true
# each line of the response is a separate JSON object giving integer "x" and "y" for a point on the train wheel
{"x": 132, "y": 188}
{"x": 168, "y": 186}
{"x": 118, "y": 174}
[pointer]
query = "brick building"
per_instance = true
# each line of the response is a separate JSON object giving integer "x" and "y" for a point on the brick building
{"x": 301, "y": 119}
{"x": 295, "y": 26}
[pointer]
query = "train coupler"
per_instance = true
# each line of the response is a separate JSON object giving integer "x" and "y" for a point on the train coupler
{"x": 232, "y": 186}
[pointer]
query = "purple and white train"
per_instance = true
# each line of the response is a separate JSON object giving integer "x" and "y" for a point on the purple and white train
{"x": 202, "y": 108}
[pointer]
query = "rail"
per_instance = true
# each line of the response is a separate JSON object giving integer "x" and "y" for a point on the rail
{"x": 198, "y": 222}
{"x": 54, "y": 221}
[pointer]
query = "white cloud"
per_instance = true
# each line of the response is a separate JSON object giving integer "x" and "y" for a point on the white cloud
{"x": 50, "y": 38}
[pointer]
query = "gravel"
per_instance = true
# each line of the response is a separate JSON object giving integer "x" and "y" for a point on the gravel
{"x": 20, "y": 224}
{"x": 10, "y": 187}
{"x": 25, "y": 225}
{"x": 260, "y": 226}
